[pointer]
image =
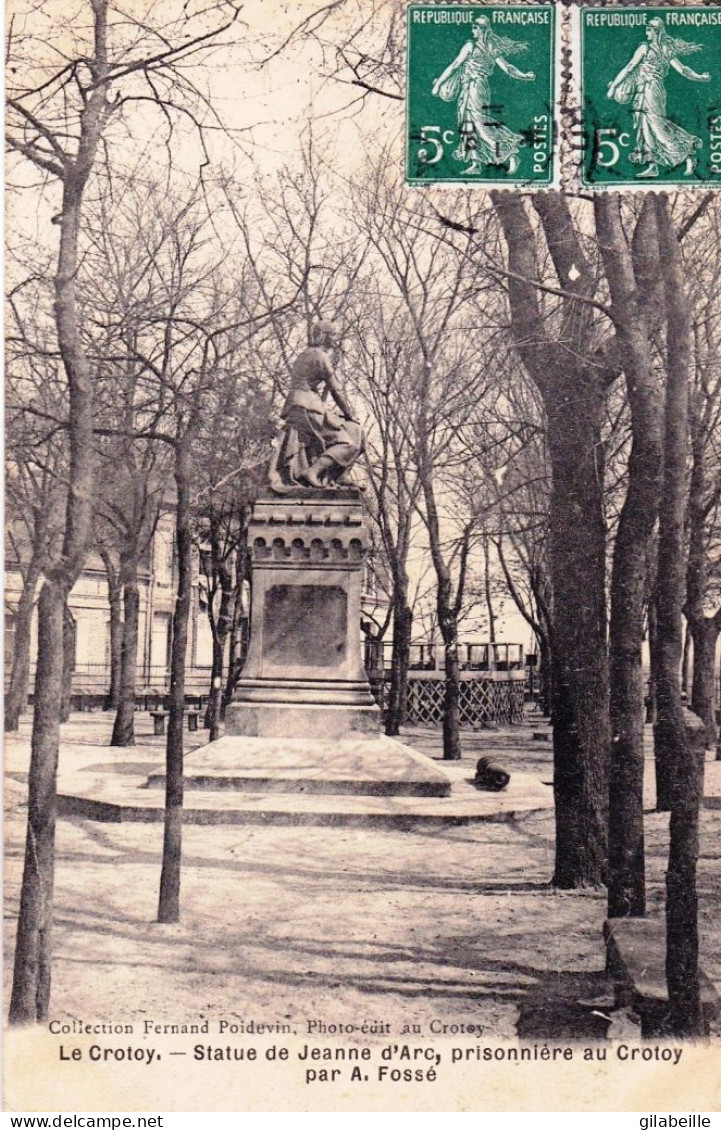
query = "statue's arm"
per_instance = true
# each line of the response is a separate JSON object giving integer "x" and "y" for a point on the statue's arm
{"x": 639, "y": 54}
{"x": 514, "y": 72}
{"x": 689, "y": 72}
{"x": 457, "y": 62}
{"x": 340, "y": 399}
{"x": 337, "y": 394}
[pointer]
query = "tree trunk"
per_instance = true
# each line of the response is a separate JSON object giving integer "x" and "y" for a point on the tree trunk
{"x": 626, "y": 874}
{"x": 31, "y": 978}
{"x": 682, "y": 974}
{"x": 651, "y": 710}
{"x": 447, "y": 610}
{"x": 662, "y": 750}
{"x": 579, "y": 706}
{"x": 681, "y": 897}
{"x": 115, "y": 601}
{"x": 169, "y": 899}
{"x": 220, "y": 628}
{"x": 540, "y": 623}
{"x": 628, "y": 270}
{"x": 447, "y": 606}
{"x": 487, "y": 590}
{"x": 68, "y": 663}
{"x": 626, "y": 853}
{"x": 703, "y": 687}
{"x": 215, "y": 697}
{"x": 687, "y": 659}
{"x": 124, "y": 725}
{"x": 238, "y": 647}
{"x": 545, "y": 676}
{"x": 17, "y": 697}
{"x": 704, "y": 630}
{"x": 401, "y": 657}
{"x": 239, "y": 624}
{"x": 452, "y": 696}
{"x": 573, "y": 393}
{"x": 33, "y": 948}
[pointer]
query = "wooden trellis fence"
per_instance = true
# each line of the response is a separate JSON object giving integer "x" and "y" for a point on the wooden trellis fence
{"x": 482, "y": 700}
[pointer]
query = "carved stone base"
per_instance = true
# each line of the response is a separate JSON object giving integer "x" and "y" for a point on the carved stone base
{"x": 304, "y": 674}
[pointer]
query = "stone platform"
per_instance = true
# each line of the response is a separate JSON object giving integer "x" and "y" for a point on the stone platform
{"x": 372, "y": 766}
{"x": 113, "y": 787}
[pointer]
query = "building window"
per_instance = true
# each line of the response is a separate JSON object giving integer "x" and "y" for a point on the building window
{"x": 161, "y": 640}
{"x": 163, "y": 556}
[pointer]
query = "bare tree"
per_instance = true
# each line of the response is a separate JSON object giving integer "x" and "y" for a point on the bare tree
{"x": 179, "y": 348}
{"x": 36, "y": 454}
{"x": 686, "y": 774}
{"x": 192, "y": 349}
{"x": 632, "y": 274}
{"x": 630, "y": 267}
{"x": 131, "y": 504}
{"x": 35, "y": 491}
{"x": 57, "y": 122}
{"x": 512, "y": 453}
{"x": 228, "y": 475}
{"x": 125, "y": 238}
{"x": 385, "y": 383}
{"x": 436, "y": 288}
{"x": 703, "y": 608}
{"x": 111, "y": 565}
{"x": 572, "y": 373}
{"x": 46, "y": 148}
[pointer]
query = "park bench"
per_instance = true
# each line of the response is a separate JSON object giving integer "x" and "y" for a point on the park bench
{"x": 159, "y": 717}
{"x": 87, "y": 702}
{"x": 636, "y": 949}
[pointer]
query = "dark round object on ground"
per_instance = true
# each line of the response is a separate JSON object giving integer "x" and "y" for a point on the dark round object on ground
{"x": 490, "y": 775}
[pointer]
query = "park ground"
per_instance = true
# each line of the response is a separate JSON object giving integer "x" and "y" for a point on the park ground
{"x": 451, "y": 925}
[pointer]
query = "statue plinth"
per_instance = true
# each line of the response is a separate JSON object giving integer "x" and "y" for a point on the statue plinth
{"x": 304, "y": 674}
{"x": 303, "y": 719}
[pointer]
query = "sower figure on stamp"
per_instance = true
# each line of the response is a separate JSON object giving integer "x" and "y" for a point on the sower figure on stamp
{"x": 319, "y": 445}
{"x": 659, "y": 141}
{"x": 483, "y": 140}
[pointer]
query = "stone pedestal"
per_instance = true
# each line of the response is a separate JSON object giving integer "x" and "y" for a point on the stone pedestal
{"x": 304, "y": 674}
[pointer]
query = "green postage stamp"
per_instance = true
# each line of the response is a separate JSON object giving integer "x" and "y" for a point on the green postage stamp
{"x": 651, "y": 96}
{"x": 481, "y": 94}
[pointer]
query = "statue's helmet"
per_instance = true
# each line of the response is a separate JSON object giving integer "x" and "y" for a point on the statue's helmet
{"x": 324, "y": 330}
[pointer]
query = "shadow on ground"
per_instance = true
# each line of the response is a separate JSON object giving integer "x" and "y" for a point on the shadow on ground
{"x": 551, "y": 1009}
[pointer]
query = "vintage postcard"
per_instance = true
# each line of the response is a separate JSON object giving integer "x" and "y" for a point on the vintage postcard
{"x": 361, "y": 565}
